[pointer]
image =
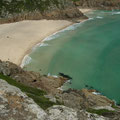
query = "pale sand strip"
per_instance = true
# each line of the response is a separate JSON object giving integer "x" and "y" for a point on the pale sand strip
{"x": 17, "y": 39}
{"x": 85, "y": 10}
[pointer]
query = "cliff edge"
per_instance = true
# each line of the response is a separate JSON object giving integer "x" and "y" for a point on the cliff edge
{"x": 29, "y": 95}
{"x": 17, "y": 10}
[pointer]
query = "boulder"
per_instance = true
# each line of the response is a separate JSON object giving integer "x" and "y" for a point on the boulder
{"x": 16, "y": 105}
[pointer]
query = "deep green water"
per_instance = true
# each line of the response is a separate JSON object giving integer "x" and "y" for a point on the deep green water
{"x": 89, "y": 52}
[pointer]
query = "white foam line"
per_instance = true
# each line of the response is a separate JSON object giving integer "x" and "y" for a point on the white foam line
{"x": 96, "y": 93}
{"x": 39, "y": 45}
{"x": 99, "y": 17}
{"x": 27, "y": 59}
{"x": 115, "y": 13}
{"x": 71, "y": 27}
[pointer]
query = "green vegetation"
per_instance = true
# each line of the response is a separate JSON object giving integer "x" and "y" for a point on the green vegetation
{"x": 100, "y": 111}
{"x": 115, "y": 107}
{"x": 36, "y": 94}
{"x": 20, "y": 6}
{"x": 75, "y": 0}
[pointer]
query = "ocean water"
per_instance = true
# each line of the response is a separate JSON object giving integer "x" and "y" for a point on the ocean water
{"x": 89, "y": 52}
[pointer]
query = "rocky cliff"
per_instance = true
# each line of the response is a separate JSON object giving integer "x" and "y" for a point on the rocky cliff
{"x": 16, "y": 10}
{"x": 29, "y": 95}
{"x": 98, "y": 4}
{"x": 16, "y": 105}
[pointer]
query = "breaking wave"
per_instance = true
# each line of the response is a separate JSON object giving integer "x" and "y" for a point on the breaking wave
{"x": 26, "y": 60}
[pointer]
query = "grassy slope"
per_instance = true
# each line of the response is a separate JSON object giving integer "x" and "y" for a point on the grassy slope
{"x": 36, "y": 94}
{"x": 100, "y": 111}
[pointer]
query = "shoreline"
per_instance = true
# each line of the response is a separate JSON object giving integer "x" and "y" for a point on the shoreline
{"x": 19, "y": 38}
{"x": 22, "y": 61}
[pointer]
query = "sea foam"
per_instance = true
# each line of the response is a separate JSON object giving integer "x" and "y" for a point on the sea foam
{"x": 26, "y": 60}
{"x": 99, "y": 17}
{"x": 115, "y": 13}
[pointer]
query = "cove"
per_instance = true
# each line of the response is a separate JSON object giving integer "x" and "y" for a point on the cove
{"x": 88, "y": 52}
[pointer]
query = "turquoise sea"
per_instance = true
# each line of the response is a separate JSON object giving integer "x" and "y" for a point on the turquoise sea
{"x": 89, "y": 52}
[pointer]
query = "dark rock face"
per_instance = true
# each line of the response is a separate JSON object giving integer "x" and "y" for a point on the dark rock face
{"x": 17, "y": 10}
{"x": 98, "y": 4}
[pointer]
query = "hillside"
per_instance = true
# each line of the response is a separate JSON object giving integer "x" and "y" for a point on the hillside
{"x": 16, "y": 10}
{"x": 28, "y": 95}
{"x": 98, "y": 4}
{"x": 31, "y": 95}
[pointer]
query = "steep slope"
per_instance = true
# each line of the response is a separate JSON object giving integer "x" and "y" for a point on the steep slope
{"x": 16, "y": 105}
{"x": 76, "y": 104}
{"x": 16, "y": 10}
{"x": 98, "y": 4}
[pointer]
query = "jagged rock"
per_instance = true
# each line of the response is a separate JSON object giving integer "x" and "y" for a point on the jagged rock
{"x": 67, "y": 13}
{"x": 16, "y": 105}
{"x": 51, "y": 98}
{"x": 17, "y": 10}
{"x": 84, "y": 99}
{"x": 98, "y": 4}
{"x": 8, "y": 68}
{"x": 58, "y": 112}
{"x": 62, "y": 113}
{"x": 47, "y": 83}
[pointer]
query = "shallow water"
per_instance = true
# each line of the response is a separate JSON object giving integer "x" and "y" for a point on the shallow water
{"x": 88, "y": 52}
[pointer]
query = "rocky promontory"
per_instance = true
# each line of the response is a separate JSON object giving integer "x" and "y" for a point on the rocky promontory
{"x": 27, "y": 95}
{"x": 17, "y": 10}
{"x": 16, "y": 105}
{"x": 31, "y": 95}
{"x": 98, "y": 4}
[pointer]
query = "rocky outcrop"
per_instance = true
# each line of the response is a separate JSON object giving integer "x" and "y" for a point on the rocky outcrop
{"x": 62, "y": 113}
{"x": 16, "y": 105}
{"x": 88, "y": 100}
{"x": 17, "y": 10}
{"x": 84, "y": 99}
{"x": 67, "y": 13}
{"x": 47, "y": 83}
{"x": 98, "y": 4}
{"x": 65, "y": 113}
{"x": 77, "y": 102}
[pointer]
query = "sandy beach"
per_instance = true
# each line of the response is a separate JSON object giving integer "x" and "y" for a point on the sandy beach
{"x": 17, "y": 39}
{"x": 85, "y": 10}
